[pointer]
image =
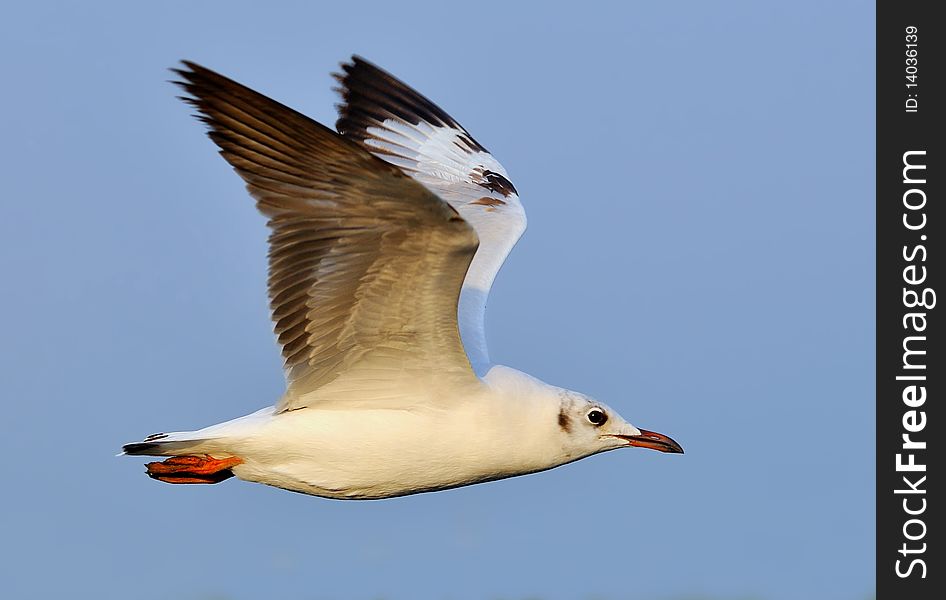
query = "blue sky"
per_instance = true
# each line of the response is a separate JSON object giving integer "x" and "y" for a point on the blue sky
{"x": 699, "y": 184}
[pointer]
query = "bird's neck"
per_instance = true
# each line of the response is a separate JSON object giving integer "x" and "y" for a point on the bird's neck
{"x": 525, "y": 419}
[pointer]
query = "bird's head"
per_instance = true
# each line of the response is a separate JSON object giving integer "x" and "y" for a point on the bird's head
{"x": 588, "y": 427}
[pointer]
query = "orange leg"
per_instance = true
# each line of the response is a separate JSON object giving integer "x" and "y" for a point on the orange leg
{"x": 193, "y": 469}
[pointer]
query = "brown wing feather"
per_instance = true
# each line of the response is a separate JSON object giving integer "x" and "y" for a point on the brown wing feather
{"x": 365, "y": 263}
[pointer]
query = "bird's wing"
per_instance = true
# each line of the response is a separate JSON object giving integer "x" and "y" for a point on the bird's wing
{"x": 365, "y": 264}
{"x": 404, "y": 128}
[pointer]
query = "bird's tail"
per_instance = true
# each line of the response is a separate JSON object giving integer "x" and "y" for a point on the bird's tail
{"x": 203, "y": 456}
{"x": 189, "y": 460}
{"x": 165, "y": 444}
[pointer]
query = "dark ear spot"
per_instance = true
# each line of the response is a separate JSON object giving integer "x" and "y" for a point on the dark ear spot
{"x": 563, "y": 421}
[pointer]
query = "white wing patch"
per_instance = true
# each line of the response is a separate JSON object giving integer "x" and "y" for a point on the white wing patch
{"x": 402, "y": 127}
{"x": 442, "y": 152}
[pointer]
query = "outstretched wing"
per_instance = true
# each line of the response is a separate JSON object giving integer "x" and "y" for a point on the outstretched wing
{"x": 406, "y": 129}
{"x": 365, "y": 264}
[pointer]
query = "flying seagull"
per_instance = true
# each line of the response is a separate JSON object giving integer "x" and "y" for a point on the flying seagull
{"x": 385, "y": 240}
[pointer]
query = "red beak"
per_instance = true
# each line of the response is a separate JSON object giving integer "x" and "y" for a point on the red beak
{"x": 654, "y": 441}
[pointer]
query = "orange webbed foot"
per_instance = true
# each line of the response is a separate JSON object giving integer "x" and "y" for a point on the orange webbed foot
{"x": 193, "y": 469}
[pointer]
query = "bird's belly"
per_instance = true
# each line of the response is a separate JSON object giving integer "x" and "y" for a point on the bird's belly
{"x": 374, "y": 453}
{"x": 360, "y": 479}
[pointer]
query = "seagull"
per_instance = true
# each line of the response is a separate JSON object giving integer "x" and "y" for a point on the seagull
{"x": 385, "y": 238}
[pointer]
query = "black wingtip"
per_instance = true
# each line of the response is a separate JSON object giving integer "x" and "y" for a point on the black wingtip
{"x": 139, "y": 448}
{"x": 194, "y": 67}
{"x": 188, "y": 70}
{"x": 370, "y": 95}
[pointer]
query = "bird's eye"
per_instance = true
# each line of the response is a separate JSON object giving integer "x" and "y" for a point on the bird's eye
{"x": 597, "y": 417}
